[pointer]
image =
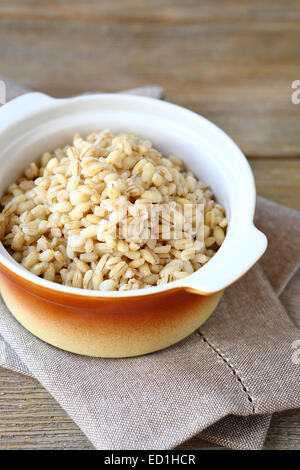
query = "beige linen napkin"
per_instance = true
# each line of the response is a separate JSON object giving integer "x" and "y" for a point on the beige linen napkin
{"x": 224, "y": 380}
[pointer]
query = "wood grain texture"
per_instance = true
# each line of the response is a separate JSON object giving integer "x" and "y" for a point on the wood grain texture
{"x": 31, "y": 419}
{"x": 231, "y": 61}
{"x": 278, "y": 179}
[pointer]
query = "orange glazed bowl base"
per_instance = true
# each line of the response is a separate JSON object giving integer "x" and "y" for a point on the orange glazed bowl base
{"x": 119, "y": 328}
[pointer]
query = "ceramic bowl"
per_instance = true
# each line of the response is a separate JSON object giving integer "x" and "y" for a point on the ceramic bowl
{"x": 121, "y": 324}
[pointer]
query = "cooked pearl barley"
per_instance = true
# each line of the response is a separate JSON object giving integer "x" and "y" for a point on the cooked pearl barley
{"x": 219, "y": 235}
{"x": 47, "y": 255}
{"x": 63, "y": 219}
{"x": 109, "y": 284}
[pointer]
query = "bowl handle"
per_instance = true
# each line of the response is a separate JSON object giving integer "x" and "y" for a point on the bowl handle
{"x": 247, "y": 250}
{"x": 18, "y": 107}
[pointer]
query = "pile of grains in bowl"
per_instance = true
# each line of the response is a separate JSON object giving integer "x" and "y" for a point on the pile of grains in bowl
{"x": 61, "y": 220}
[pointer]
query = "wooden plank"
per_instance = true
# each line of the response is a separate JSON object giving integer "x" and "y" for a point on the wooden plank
{"x": 278, "y": 179}
{"x": 284, "y": 432}
{"x": 31, "y": 419}
{"x": 234, "y": 64}
{"x": 168, "y": 11}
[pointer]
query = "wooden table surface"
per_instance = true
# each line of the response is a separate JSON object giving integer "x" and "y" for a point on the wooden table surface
{"x": 232, "y": 61}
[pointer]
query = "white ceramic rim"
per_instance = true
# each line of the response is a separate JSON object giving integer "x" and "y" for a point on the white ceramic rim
{"x": 249, "y": 243}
